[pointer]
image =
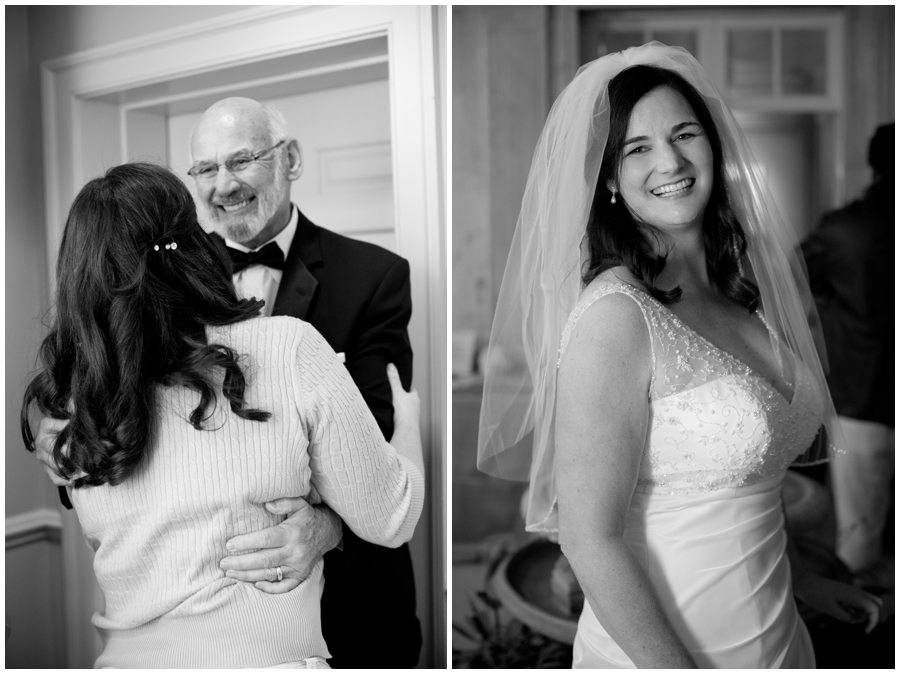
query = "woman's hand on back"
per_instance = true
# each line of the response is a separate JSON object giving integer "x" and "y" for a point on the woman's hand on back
{"x": 48, "y": 429}
{"x": 406, "y": 404}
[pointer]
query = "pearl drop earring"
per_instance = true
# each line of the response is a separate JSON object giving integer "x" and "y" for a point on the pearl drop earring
{"x": 613, "y": 200}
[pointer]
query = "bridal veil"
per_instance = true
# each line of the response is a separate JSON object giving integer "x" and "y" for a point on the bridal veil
{"x": 542, "y": 281}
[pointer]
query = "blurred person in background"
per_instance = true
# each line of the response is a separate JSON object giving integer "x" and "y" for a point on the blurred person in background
{"x": 851, "y": 274}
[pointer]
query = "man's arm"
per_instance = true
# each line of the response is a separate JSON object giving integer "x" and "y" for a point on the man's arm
{"x": 295, "y": 545}
{"x": 310, "y": 531}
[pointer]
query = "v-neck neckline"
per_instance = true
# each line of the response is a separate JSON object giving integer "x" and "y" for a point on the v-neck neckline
{"x": 723, "y": 352}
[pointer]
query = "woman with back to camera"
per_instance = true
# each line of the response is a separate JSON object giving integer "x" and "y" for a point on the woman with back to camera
{"x": 187, "y": 413}
{"x": 672, "y": 376}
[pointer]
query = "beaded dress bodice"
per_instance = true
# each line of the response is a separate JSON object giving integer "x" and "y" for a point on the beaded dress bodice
{"x": 714, "y": 422}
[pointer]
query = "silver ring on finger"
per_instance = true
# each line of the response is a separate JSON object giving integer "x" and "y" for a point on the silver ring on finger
{"x": 279, "y": 576}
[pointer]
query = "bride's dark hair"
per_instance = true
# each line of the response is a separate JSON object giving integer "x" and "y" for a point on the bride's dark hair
{"x": 138, "y": 282}
{"x": 614, "y": 237}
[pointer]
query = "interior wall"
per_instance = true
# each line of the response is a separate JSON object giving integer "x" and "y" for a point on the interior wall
{"x": 26, "y": 267}
{"x": 33, "y": 567}
{"x": 500, "y": 102}
{"x": 471, "y": 172}
{"x": 501, "y": 97}
{"x": 34, "y": 606}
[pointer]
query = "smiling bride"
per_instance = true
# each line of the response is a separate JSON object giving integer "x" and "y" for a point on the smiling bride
{"x": 672, "y": 376}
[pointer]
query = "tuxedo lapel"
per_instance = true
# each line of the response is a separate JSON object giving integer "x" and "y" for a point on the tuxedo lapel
{"x": 298, "y": 285}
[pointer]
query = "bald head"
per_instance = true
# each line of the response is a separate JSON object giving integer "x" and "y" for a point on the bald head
{"x": 240, "y": 116}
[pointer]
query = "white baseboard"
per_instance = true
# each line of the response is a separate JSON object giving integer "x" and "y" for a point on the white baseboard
{"x": 33, "y": 526}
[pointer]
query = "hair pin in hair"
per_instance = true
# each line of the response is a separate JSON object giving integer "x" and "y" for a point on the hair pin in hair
{"x": 169, "y": 246}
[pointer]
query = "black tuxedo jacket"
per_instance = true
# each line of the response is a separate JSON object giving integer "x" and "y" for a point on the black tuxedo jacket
{"x": 357, "y": 295}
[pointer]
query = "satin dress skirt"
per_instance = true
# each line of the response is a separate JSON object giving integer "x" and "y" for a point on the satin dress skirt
{"x": 718, "y": 564}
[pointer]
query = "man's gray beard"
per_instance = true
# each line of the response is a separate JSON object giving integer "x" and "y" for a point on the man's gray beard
{"x": 249, "y": 226}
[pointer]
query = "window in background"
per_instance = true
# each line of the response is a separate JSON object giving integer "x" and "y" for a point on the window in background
{"x": 610, "y": 41}
{"x": 804, "y": 61}
{"x": 750, "y": 61}
{"x": 678, "y": 38}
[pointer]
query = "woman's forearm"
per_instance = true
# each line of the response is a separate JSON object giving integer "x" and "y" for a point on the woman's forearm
{"x": 407, "y": 440}
{"x": 623, "y": 600}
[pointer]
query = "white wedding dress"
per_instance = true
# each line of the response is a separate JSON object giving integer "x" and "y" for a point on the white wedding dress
{"x": 706, "y": 519}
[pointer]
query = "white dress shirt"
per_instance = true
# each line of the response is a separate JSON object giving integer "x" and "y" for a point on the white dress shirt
{"x": 258, "y": 280}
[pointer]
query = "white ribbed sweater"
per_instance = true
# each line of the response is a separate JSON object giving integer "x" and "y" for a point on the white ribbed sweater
{"x": 160, "y": 535}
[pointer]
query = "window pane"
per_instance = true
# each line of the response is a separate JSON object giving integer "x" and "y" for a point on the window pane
{"x": 804, "y": 61}
{"x": 750, "y": 61}
{"x": 678, "y": 38}
{"x": 613, "y": 41}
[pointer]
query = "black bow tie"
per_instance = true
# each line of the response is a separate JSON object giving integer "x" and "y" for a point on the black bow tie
{"x": 269, "y": 255}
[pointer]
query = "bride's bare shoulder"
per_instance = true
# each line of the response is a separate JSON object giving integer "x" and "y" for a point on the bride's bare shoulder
{"x": 604, "y": 313}
{"x": 607, "y": 331}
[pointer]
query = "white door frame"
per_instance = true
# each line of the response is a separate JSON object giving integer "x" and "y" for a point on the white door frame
{"x": 70, "y": 84}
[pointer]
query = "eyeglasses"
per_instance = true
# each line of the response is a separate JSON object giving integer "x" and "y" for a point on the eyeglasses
{"x": 234, "y": 165}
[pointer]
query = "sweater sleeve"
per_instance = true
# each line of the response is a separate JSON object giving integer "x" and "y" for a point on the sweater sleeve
{"x": 375, "y": 491}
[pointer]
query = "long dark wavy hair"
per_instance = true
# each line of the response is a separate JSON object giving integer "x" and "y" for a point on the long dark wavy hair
{"x": 614, "y": 237}
{"x": 131, "y": 315}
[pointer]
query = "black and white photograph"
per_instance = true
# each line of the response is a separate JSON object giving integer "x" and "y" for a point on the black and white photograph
{"x": 672, "y": 337}
{"x": 450, "y": 336}
{"x": 226, "y": 310}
